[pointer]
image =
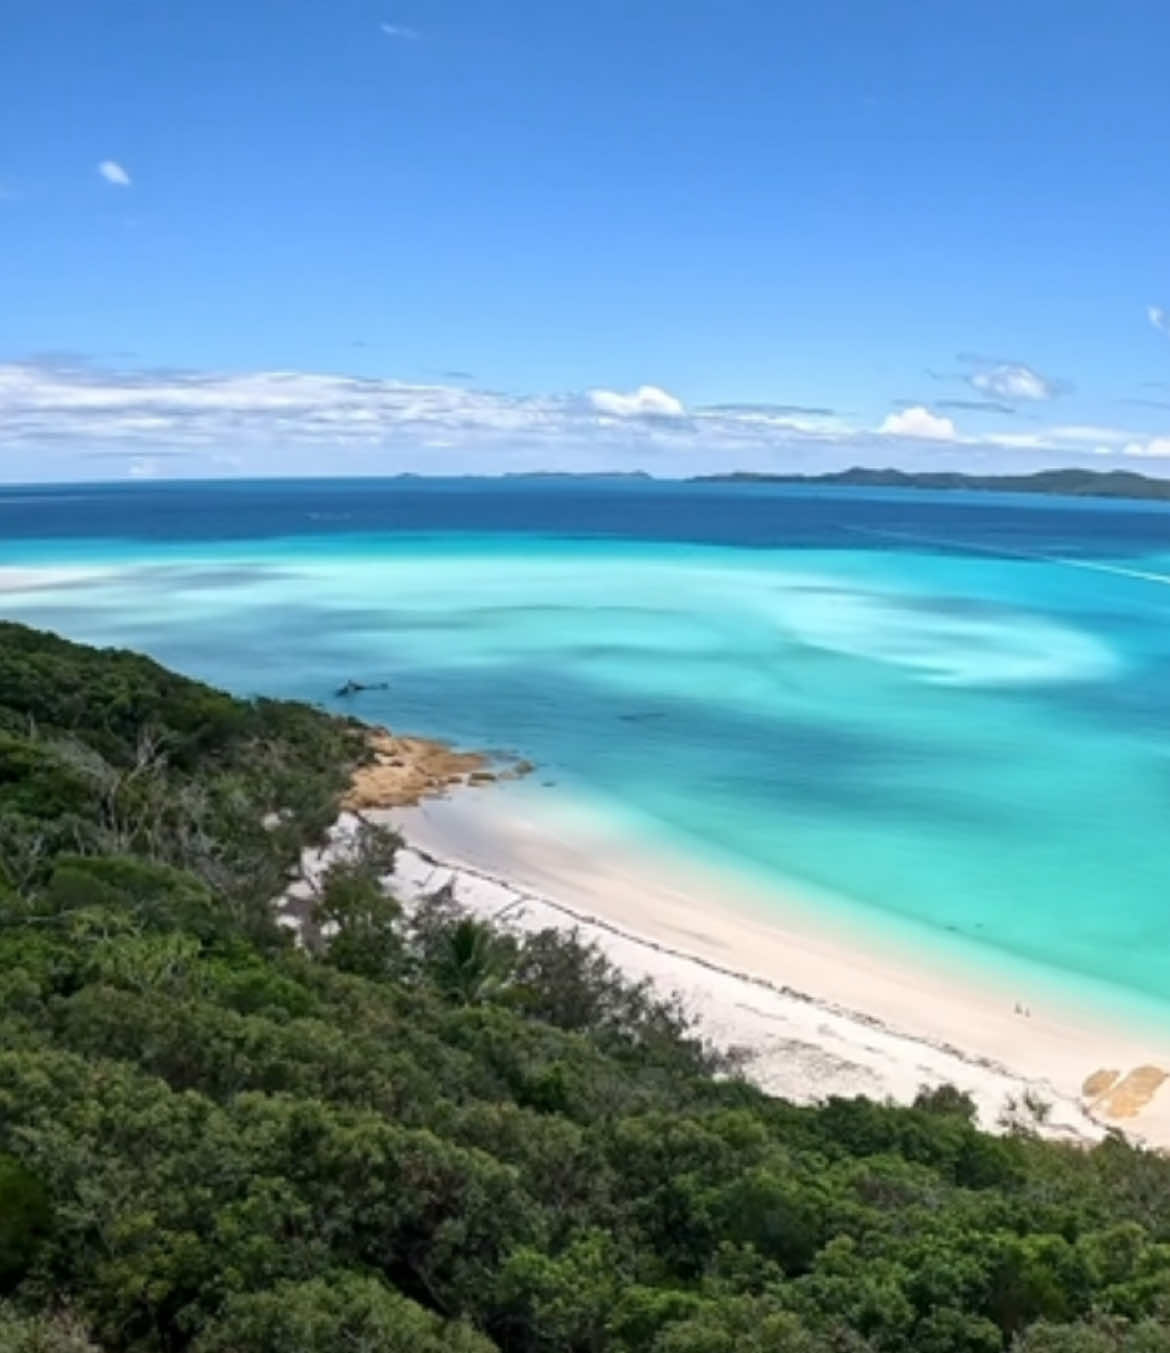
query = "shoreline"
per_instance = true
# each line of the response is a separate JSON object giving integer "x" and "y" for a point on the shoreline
{"x": 813, "y": 1002}
{"x": 817, "y": 1013}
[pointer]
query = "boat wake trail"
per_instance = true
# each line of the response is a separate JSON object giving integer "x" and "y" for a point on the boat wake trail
{"x": 1007, "y": 552}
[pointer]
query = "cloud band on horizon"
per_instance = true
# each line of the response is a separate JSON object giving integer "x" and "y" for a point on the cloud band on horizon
{"x": 74, "y": 405}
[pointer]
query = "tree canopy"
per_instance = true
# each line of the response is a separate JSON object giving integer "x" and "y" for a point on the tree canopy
{"x": 434, "y": 1135}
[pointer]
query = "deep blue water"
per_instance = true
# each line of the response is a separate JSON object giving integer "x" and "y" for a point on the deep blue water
{"x": 748, "y": 516}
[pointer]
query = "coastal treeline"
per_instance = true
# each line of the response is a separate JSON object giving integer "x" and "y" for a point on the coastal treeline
{"x": 432, "y": 1135}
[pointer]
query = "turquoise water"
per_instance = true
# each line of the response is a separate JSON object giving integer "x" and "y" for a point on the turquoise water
{"x": 950, "y": 710}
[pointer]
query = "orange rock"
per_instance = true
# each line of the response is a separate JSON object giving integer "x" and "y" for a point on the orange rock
{"x": 1132, "y": 1093}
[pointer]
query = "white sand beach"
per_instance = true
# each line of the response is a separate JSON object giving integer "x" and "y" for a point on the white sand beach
{"x": 819, "y": 1012}
{"x": 817, "y": 1006}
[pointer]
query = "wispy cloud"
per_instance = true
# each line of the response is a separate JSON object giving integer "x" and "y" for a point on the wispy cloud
{"x": 63, "y": 399}
{"x": 294, "y": 416}
{"x": 1012, "y": 380}
{"x": 1074, "y": 438}
{"x": 1086, "y": 432}
{"x": 268, "y": 421}
{"x": 779, "y": 410}
{"x": 975, "y": 406}
{"x": 399, "y": 30}
{"x": 130, "y": 455}
{"x": 1157, "y": 447}
{"x": 1158, "y": 317}
{"x": 113, "y": 173}
{"x": 918, "y": 422}
{"x": 1000, "y": 380}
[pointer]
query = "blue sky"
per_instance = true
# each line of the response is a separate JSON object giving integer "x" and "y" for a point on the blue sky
{"x": 308, "y": 237}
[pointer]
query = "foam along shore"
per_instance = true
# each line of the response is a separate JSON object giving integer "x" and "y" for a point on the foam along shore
{"x": 817, "y": 1012}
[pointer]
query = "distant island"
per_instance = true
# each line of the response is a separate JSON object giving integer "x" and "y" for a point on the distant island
{"x": 1070, "y": 483}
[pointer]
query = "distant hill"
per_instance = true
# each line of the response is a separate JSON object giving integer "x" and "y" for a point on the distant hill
{"x": 1071, "y": 483}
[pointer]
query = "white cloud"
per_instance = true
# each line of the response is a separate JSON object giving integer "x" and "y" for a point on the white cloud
{"x": 1156, "y": 447}
{"x": 398, "y": 30}
{"x": 739, "y": 423}
{"x": 113, "y": 173}
{"x": 1158, "y": 317}
{"x": 918, "y": 421}
{"x": 1102, "y": 441}
{"x": 1086, "y": 433}
{"x": 268, "y": 421}
{"x": 1012, "y": 380}
{"x": 645, "y": 400}
{"x": 69, "y": 400}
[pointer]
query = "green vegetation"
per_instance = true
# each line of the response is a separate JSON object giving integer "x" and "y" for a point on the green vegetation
{"x": 1071, "y": 483}
{"x": 436, "y": 1136}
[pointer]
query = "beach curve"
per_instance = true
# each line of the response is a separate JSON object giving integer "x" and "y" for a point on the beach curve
{"x": 814, "y": 1013}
